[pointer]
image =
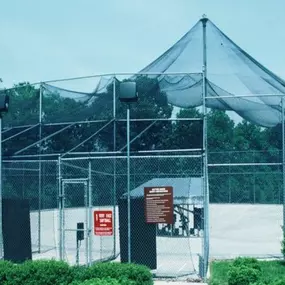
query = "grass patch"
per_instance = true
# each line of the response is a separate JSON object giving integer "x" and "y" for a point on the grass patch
{"x": 270, "y": 271}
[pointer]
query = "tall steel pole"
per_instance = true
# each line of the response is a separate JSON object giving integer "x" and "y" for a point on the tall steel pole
{"x": 90, "y": 216}
{"x": 283, "y": 161}
{"x": 129, "y": 183}
{"x": 115, "y": 168}
{"x": 40, "y": 170}
{"x": 1, "y": 192}
{"x": 205, "y": 155}
{"x": 60, "y": 207}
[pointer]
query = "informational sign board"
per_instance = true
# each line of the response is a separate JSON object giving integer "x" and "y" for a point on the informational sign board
{"x": 158, "y": 205}
{"x": 103, "y": 223}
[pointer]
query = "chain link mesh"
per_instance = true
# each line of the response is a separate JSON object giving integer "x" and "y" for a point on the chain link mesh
{"x": 37, "y": 182}
{"x": 243, "y": 193}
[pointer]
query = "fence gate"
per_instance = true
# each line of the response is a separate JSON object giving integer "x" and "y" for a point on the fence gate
{"x": 75, "y": 219}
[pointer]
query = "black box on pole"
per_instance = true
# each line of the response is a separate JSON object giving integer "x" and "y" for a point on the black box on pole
{"x": 80, "y": 231}
{"x": 16, "y": 230}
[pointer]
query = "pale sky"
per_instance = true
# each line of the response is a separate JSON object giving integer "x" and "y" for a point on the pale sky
{"x": 44, "y": 40}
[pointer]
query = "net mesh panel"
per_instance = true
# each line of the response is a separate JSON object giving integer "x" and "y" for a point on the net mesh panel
{"x": 73, "y": 105}
{"x": 231, "y": 71}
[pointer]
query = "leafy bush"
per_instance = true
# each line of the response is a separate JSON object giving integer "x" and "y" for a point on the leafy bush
{"x": 140, "y": 275}
{"x": 279, "y": 282}
{"x": 242, "y": 275}
{"x": 60, "y": 273}
{"x": 214, "y": 282}
{"x": 247, "y": 262}
{"x": 5, "y": 268}
{"x": 104, "y": 281}
{"x": 39, "y": 272}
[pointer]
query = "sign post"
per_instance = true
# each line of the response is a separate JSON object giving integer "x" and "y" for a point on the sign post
{"x": 103, "y": 223}
{"x": 158, "y": 205}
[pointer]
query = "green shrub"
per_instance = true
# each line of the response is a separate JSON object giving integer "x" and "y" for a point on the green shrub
{"x": 40, "y": 272}
{"x": 103, "y": 281}
{"x": 242, "y": 275}
{"x": 214, "y": 282}
{"x": 247, "y": 262}
{"x": 141, "y": 275}
{"x": 278, "y": 282}
{"x": 5, "y": 268}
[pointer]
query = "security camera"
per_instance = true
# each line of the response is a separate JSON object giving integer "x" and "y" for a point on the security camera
{"x": 4, "y": 102}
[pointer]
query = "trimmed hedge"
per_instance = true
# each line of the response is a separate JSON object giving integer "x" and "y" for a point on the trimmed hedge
{"x": 139, "y": 274}
{"x": 39, "y": 272}
{"x": 51, "y": 272}
{"x": 103, "y": 281}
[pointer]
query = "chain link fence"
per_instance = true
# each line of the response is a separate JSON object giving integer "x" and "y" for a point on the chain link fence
{"x": 36, "y": 181}
{"x": 245, "y": 206}
{"x": 246, "y": 203}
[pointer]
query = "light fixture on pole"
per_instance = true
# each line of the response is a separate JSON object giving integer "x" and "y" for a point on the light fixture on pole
{"x": 128, "y": 94}
{"x": 4, "y": 105}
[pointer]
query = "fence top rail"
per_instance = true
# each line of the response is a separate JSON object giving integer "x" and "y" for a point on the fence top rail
{"x": 113, "y": 74}
{"x": 245, "y": 164}
{"x": 132, "y": 157}
{"x": 29, "y": 161}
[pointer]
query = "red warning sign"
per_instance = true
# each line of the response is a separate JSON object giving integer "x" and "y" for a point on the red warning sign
{"x": 103, "y": 223}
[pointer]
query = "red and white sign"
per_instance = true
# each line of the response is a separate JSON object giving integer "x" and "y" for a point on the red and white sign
{"x": 103, "y": 223}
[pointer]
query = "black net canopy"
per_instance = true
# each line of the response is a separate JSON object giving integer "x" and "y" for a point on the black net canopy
{"x": 232, "y": 75}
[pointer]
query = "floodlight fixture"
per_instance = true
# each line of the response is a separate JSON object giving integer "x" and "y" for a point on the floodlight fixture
{"x": 128, "y": 92}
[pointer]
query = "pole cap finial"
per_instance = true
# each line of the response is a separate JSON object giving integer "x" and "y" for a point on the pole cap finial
{"x": 204, "y": 18}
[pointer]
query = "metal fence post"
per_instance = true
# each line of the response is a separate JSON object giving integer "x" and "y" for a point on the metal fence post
{"x": 205, "y": 155}
{"x": 60, "y": 206}
{"x": 283, "y": 162}
{"x": 40, "y": 171}
{"x": 115, "y": 167}
{"x": 90, "y": 210}
{"x": 1, "y": 191}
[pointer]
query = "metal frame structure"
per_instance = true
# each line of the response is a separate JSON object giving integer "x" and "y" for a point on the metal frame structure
{"x": 120, "y": 153}
{"x": 115, "y": 154}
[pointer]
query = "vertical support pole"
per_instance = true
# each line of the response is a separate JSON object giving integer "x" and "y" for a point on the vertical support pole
{"x": 90, "y": 236}
{"x": 283, "y": 161}
{"x": 230, "y": 186}
{"x": 77, "y": 253}
{"x": 86, "y": 190}
{"x": 114, "y": 169}
{"x": 61, "y": 209}
{"x": 205, "y": 156}
{"x": 40, "y": 170}
{"x": 129, "y": 183}
{"x": 1, "y": 192}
